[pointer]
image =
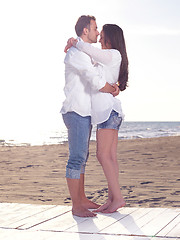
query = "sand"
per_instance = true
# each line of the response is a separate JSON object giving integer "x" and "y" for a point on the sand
{"x": 149, "y": 173}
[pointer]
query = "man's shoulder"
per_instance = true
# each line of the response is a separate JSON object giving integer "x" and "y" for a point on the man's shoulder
{"x": 73, "y": 54}
{"x": 72, "y": 50}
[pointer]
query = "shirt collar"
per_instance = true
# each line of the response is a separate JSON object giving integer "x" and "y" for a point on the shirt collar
{"x": 79, "y": 39}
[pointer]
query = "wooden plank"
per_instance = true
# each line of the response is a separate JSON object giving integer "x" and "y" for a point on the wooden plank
{"x": 9, "y": 234}
{"x": 175, "y": 232}
{"x": 40, "y": 217}
{"x": 13, "y": 213}
{"x": 155, "y": 225}
{"x": 12, "y": 234}
{"x": 137, "y": 224}
{"x": 101, "y": 221}
{"x": 74, "y": 236}
{"x": 120, "y": 237}
{"x": 169, "y": 227}
{"x": 77, "y": 224}
{"x": 10, "y": 211}
{"x": 10, "y": 208}
{"x": 161, "y": 238}
{"x": 56, "y": 222}
{"x": 60, "y": 223}
{"x": 47, "y": 235}
{"x": 132, "y": 223}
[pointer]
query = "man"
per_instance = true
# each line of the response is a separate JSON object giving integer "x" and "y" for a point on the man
{"x": 80, "y": 77}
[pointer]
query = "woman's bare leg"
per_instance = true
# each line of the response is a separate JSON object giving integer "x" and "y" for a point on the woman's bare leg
{"x": 112, "y": 205}
{"x": 106, "y": 153}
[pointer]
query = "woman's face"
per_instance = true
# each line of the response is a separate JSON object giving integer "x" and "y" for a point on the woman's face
{"x": 101, "y": 40}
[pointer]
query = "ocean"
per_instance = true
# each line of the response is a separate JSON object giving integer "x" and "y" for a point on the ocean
{"x": 128, "y": 130}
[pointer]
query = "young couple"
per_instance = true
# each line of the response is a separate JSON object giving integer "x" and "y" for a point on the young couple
{"x": 93, "y": 77}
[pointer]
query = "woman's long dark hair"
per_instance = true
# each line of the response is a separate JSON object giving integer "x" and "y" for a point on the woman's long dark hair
{"x": 113, "y": 34}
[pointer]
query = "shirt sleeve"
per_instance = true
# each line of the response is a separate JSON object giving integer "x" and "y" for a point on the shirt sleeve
{"x": 99, "y": 55}
{"x": 81, "y": 63}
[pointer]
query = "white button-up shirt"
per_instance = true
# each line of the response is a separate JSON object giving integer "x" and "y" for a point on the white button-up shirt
{"x": 103, "y": 103}
{"x": 81, "y": 77}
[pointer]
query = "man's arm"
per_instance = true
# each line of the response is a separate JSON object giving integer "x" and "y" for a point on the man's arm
{"x": 81, "y": 63}
{"x": 107, "y": 88}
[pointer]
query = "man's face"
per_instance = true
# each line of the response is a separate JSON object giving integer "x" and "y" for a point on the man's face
{"x": 93, "y": 32}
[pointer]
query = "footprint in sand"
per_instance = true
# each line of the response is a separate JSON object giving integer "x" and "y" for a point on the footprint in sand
{"x": 147, "y": 182}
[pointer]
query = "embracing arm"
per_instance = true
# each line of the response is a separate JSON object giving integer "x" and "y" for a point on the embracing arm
{"x": 82, "y": 64}
{"x": 99, "y": 55}
{"x": 113, "y": 89}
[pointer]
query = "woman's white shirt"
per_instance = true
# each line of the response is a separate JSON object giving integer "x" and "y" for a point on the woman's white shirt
{"x": 103, "y": 103}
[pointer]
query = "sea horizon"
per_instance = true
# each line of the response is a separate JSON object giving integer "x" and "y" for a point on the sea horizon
{"x": 128, "y": 130}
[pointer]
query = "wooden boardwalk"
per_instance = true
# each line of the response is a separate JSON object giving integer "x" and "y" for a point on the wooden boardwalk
{"x": 28, "y": 221}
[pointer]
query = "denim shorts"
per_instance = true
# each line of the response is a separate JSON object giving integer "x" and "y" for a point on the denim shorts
{"x": 79, "y": 131}
{"x": 113, "y": 122}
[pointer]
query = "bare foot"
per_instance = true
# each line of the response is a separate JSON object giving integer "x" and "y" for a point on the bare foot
{"x": 80, "y": 211}
{"x": 89, "y": 204}
{"x": 114, "y": 206}
{"x": 103, "y": 207}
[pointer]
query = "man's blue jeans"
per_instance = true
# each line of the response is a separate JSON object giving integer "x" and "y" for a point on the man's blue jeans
{"x": 79, "y": 131}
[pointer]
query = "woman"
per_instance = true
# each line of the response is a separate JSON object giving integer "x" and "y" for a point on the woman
{"x": 106, "y": 110}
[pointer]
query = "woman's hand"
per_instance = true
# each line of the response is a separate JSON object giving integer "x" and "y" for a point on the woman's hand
{"x": 108, "y": 88}
{"x": 71, "y": 42}
{"x": 117, "y": 90}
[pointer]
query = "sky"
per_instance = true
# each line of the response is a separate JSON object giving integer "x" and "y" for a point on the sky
{"x": 33, "y": 36}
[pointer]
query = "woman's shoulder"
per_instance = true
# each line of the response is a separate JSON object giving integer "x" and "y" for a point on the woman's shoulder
{"x": 115, "y": 54}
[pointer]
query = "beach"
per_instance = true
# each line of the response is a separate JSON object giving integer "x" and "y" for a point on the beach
{"x": 149, "y": 173}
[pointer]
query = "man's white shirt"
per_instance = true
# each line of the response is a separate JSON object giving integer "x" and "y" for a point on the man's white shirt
{"x": 81, "y": 77}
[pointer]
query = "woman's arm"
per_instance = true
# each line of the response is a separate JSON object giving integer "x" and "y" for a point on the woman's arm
{"x": 81, "y": 64}
{"x": 114, "y": 90}
{"x": 99, "y": 55}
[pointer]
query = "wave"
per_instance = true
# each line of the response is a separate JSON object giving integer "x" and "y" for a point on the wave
{"x": 128, "y": 130}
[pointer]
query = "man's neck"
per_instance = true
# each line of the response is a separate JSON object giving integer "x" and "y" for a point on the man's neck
{"x": 85, "y": 39}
